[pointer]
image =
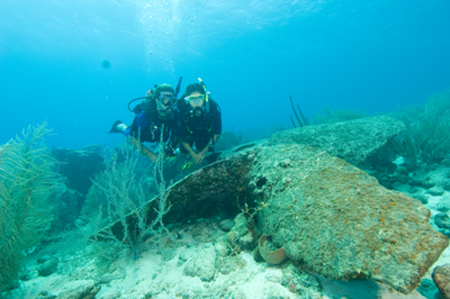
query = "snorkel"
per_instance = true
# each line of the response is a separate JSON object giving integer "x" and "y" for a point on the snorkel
{"x": 177, "y": 89}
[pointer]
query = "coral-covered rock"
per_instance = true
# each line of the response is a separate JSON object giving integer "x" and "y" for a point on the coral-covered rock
{"x": 439, "y": 177}
{"x": 80, "y": 289}
{"x": 352, "y": 141}
{"x": 436, "y": 191}
{"x": 243, "y": 233}
{"x": 226, "y": 224}
{"x": 48, "y": 267}
{"x": 420, "y": 196}
{"x": 202, "y": 263}
{"x": 111, "y": 294}
{"x": 331, "y": 216}
{"x": 441, "y": 277}
{"x": 444, "y": 203}
{"x": 339, "y": 221}
{"x": 301, "y": 283}
{"x": 442, "y": 220}
{"x": 79, "y": 167}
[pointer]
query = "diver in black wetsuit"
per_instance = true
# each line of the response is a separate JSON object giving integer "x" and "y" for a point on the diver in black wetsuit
{"x": 199, "y": 122}
{"x": 158, "y": 109}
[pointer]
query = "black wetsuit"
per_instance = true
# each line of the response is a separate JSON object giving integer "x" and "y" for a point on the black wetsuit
{"x": 147, "y": 126}
{"x": 198, "y": 130}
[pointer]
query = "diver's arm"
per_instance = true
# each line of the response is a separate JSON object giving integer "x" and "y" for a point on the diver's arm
{"x": 143, "y": 150}
{"x": 204, "y": 150}
{"x": 201, "y": 155}
{"x": 198, "y": 158}
{"x": 217, "y": 126}
{"x": 188, "y": 148}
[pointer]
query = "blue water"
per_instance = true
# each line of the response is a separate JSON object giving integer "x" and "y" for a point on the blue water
{"x": 369, "y": 56}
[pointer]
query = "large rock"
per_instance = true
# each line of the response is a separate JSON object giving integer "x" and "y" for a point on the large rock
{"x": 339, "y": 221}
{"x": 352, "y": 141}
{"x": 202, "y": 263}
{"x": 442, "y": 220}
{"x": 441, "y": 277}
{"x": 48, "y": 267}
{"x": 438, "y": 178}
{"x": 328, "y": 215}
{"x": 80, "y": 289}
{"x": 79, "y": 167}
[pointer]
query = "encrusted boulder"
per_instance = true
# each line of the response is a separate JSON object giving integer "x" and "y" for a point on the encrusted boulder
{"x": 444, "y": 203}
{"x": 301, "y": 283}
{"x": 80, "y": 289}
{"x": 442, "y": 220}
{"x": 434, "y": 180}
{"x": 202, "y": 263}
{"x": 48, "y": 267}
{"x": 441, "y": 277}
{"x": 79, "y": 167}
{"x": 243, "y": 234}
{"x": 352, "y": 141}
{"x": 339, "y": 221}
{"x": 328, "y": 215}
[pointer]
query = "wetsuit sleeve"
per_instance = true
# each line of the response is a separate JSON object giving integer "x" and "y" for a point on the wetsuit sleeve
{"x": 217, "y": 125}
{"x": 133, "y": 128}
{"x": 138, "y": 124}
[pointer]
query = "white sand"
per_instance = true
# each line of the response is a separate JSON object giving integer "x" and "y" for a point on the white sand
{"x": 150, "y": 274}
{"x": 164, "y": 279}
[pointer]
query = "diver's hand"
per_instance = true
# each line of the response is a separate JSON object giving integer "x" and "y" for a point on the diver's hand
{"x": 198, "y": 158}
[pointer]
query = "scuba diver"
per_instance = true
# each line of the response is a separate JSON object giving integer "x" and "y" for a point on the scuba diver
{"x": 157, "y": 111}
{"x": 199, "y": 122}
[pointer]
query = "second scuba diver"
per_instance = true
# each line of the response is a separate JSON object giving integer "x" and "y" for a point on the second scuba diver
{"x": 156, "y": 111}
{"x": 199, "y": 122}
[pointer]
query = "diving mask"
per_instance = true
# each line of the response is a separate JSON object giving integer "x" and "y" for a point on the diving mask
{"x": 195, "y": 99}
{"x": 167, "y": 100}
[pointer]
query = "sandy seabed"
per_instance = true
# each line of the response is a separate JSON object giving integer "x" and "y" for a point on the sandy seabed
{"x": 155, "y": 275}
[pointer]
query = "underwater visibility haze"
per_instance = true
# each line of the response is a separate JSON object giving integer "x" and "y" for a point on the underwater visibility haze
{"x": 364, "y": 204}
{"x": 77, "y": 64}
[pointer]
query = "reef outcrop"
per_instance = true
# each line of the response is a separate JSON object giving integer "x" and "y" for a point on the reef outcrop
{"x": 352, "y": 141}
{"x": 330, "y": 216}
{"x": 338, "y": 221}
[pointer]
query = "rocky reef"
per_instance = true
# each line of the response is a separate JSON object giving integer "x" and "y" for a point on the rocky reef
{"x": 352, "y": 141}
{"x": 331, "y": 217}
{"x": 441, "y": 277}
{"x": 338, "y": 221}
